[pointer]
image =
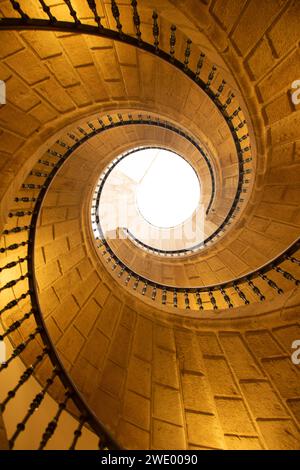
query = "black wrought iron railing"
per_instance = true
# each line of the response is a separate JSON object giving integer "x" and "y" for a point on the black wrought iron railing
{"x": 205, "y": 76}
{"x": 150, "y": 121}
{"x": 108, "y": 122}
{"x": 17, "y": 257}
{"x": 252, "y": 287}
{"x": 23, "y": 307}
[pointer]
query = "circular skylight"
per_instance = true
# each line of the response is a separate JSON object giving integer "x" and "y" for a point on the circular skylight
{"x": 167, "y": 187}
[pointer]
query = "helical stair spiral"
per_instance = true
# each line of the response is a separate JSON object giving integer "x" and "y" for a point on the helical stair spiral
{"x": 114, "y": 343}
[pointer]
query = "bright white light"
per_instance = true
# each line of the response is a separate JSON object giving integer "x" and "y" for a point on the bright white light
{"x": 136, "y": 164}
{"x": 168, "y": 189}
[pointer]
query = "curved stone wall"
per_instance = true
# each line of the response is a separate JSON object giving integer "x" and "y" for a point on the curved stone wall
{"x": 157, "y": 379}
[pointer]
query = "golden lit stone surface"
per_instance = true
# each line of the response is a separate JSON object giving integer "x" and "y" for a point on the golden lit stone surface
{"x": 143, "y": 368}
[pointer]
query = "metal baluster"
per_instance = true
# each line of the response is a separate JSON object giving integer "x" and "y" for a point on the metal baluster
{"x": 23, "y": 379}
{"x": 14, "y": 246}
{"x": 248, "y": 171}
{"x": 19, "y": 349}
{"x": 244, "y": 137}
{"x": 122, "y": 271}
{"x": 199, "y": 66}
{"x": 19, "y": 214}
{"x": 14, "y": 302}
{"x": 12, "y": 264}
{"x": 101, "y": 245}
{"x": 271, "y": 283}
{"x": 82, "y": 131}
{"x": 293, "y": 260}
{"x": 54, "y": 153}
{"x": 240, "y": 126}
{"x": 25, "y": 199}
{"x": 128, "y": 278}
{"x": 116, "y": 264}
{"x": 287, "y": 275}
{"x": 186, "y": 300}
{"x": 46, "y": 163}
{"x": 154, "y": 291}
{"x": 172, "y": 42}
{"x": 256, "y": 290}
{"x": 245, "y": 149}
{"x": 78, "y": 431}
{"x": 241, "y": 294}
{"x": 34, "y": 405}
{"x": 14, "y": 326}
{"x": 136, "y": 20}
{"x": 212, "y": 300}
{"x": 52, "y": 425}
{"x": 164, "y": 296}
{"x": 101, "y": 123}
{"x": 245, "y": 181}
{"x": 12, "y": 283}
{"x": 136, "y": 283}
{"x": 91, "y": 126}
{"x": 102, "y": 444}
{"x": 187, "y": 54}
{"x": 155, "y": 31}
{"x": 39, "y": 174}
{"x": 101, "y": 241}
{"x": 47, "y": 10}
{"x": 199, "y": 300}
{"x": 72, "y": 136}
{"x": 72, "y": 12}
{"x": 226, "y": 297}
{"x": 175, "y": 299}
{"x": 16, "y": 7}
{"x": 116, "y": 14}
{"x": 16, "y": 230}
{"x": 63, "y": 144}
{"x": 92, "y": 5}
{"x": 145, "y": 288}
{"x": 220, "y": 89}
{"x": 234, "y": 114}
{"x": 32, "y": 186}
{"x": 211, "y": 76}
{"x": 228, "y": 101}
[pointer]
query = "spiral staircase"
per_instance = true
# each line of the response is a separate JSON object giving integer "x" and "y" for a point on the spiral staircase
{"x": 116, "y": 344}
